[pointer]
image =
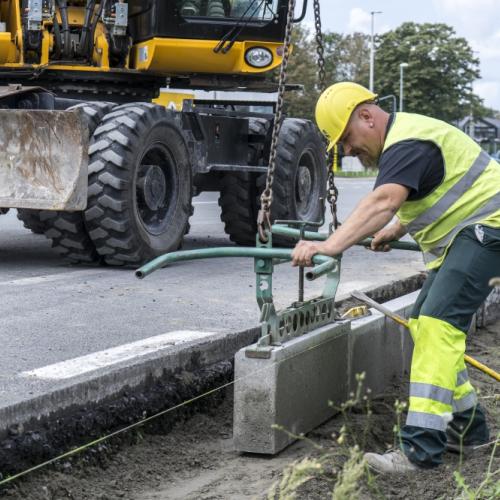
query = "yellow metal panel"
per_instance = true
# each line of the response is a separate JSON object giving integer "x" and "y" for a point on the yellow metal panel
{"x": 173, "y": 55}
{"x": 173, "y": 100}
{"x": 10, "y": 14}
{"x": 5, "y": 47}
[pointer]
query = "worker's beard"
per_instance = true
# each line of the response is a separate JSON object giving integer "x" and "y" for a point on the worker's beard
{"x": 367, "y": 161}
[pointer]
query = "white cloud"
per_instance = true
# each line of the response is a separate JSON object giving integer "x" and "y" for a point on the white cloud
{"x": 489, "y": 90}
{"x": 359, "y": 20}
{"x": 474, "y": 18}
{"x": 488, "y": 49}
{"x": 477, "y": 20}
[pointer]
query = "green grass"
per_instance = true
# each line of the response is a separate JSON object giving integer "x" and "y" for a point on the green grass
{"x": 362, "y": 173}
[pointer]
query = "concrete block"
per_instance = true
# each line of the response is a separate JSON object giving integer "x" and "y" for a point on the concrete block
{"x": 290, "y": 389}
{"x": 380, "y": 347}
{"x": 293, "y": 387}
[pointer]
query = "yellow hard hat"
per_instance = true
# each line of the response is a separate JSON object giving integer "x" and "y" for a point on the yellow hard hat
{"x": 335, "y": 106}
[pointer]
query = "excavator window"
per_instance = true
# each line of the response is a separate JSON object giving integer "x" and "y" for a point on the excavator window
{"x": 248, "y": 10}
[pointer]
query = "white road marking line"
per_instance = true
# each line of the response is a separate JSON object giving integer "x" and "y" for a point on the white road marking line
{"x": 101, "y": 359}
{"x": 49, "y": 278}
{"x": 205, "y": 202}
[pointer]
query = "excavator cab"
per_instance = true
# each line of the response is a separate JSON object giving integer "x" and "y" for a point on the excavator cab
{"x": 216, "y": 37}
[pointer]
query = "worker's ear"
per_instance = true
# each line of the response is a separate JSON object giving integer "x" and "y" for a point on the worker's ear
{"x": 365, "y": 114}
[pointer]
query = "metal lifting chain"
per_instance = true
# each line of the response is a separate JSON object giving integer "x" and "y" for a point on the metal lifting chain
{"x": 332, "y": 191}
{"x": 266, "y": 199}
{"x": 320, "y": 50}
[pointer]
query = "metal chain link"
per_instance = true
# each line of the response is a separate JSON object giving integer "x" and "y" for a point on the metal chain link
{"x": 320, "y": 50}
{"x": 332, "y": 191}
{"x": 266, "y": 199}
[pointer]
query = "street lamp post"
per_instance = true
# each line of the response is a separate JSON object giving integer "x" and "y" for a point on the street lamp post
{"x": 372, "y": 48}
{"x": 402, "y": 66}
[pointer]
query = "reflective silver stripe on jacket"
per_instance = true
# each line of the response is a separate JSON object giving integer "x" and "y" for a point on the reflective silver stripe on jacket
{"x": 489, "y": 208}
{"x": 468, "y": 401}
{"x": 462, "y": 377}
{"x": 428, "y": 420}
{"x": 452, "y": 196}
{"x": 429, "y": 391}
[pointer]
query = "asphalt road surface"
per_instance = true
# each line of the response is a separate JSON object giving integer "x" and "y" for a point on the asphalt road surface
{"x": 53, "y": 312}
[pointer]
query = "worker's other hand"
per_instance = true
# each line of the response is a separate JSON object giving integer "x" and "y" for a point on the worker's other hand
{"x": 381, "y": 239}
{"x": 303, "y": 253}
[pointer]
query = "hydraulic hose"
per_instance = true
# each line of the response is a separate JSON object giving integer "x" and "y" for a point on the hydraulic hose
{"x": 63, "y": 10}
{"x": 57, "y": 38}
{"x": 84, "y": 41}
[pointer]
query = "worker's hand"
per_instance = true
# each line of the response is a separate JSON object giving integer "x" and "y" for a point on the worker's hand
{"x": 304, "y": 251}
{"x": 380, "y": 239}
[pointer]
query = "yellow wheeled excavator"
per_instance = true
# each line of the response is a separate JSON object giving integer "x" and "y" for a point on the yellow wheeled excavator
{"x": 89, "y": 159}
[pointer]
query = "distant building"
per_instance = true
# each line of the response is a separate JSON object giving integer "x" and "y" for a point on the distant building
{"x": 486, "y": 131}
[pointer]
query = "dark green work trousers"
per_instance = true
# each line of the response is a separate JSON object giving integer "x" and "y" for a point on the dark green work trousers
{"x": 453, "y": 293}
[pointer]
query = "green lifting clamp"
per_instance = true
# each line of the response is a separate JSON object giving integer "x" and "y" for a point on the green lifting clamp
{"x": 302, "y": 316}
{"x": 276, "y": 326}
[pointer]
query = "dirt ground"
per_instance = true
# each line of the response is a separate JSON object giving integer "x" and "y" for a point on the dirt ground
{"x": 196, "y": 460}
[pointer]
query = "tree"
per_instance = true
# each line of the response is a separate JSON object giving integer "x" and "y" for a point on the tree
{"x": 442, "y": 67}
{"x": 303, "y": 70}
{"x": 346, "y": 58}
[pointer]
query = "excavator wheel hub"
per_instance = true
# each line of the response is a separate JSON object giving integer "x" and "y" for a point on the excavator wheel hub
{"x": 304, "y": 184}
{"x": 154, "y": 186}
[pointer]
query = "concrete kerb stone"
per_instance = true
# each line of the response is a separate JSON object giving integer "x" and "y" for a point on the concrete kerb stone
{"x": 286, "y": 398}
{"x": 291, "y": 390}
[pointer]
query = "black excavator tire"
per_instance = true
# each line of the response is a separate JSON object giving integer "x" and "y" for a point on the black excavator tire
{"x": 134, "y": 141}
{"x": 67, "y": 230}
{"x": 31, "y": 220}
{"x": 300, "y": 146}
{"x": 239, "y": 196}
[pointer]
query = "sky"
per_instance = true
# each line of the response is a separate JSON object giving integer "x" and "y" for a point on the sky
{"x": 476, "y": 20}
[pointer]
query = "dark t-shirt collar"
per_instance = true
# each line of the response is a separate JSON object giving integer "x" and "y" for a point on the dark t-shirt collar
{"x": 392, "y": 116}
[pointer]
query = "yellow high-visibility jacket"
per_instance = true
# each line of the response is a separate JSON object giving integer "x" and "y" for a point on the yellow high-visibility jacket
{"x": 469, "y": 193}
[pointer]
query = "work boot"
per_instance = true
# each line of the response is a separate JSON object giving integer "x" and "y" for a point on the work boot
{"x": 391, "y": 462}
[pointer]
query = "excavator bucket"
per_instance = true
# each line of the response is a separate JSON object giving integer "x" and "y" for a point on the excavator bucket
{"x": 43, "y": 159}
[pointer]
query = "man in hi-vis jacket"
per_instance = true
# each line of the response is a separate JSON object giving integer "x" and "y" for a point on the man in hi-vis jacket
{"x": 445, "y": 191}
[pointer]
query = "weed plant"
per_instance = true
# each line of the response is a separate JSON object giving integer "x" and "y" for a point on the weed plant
{"x": 348, "y": 481}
